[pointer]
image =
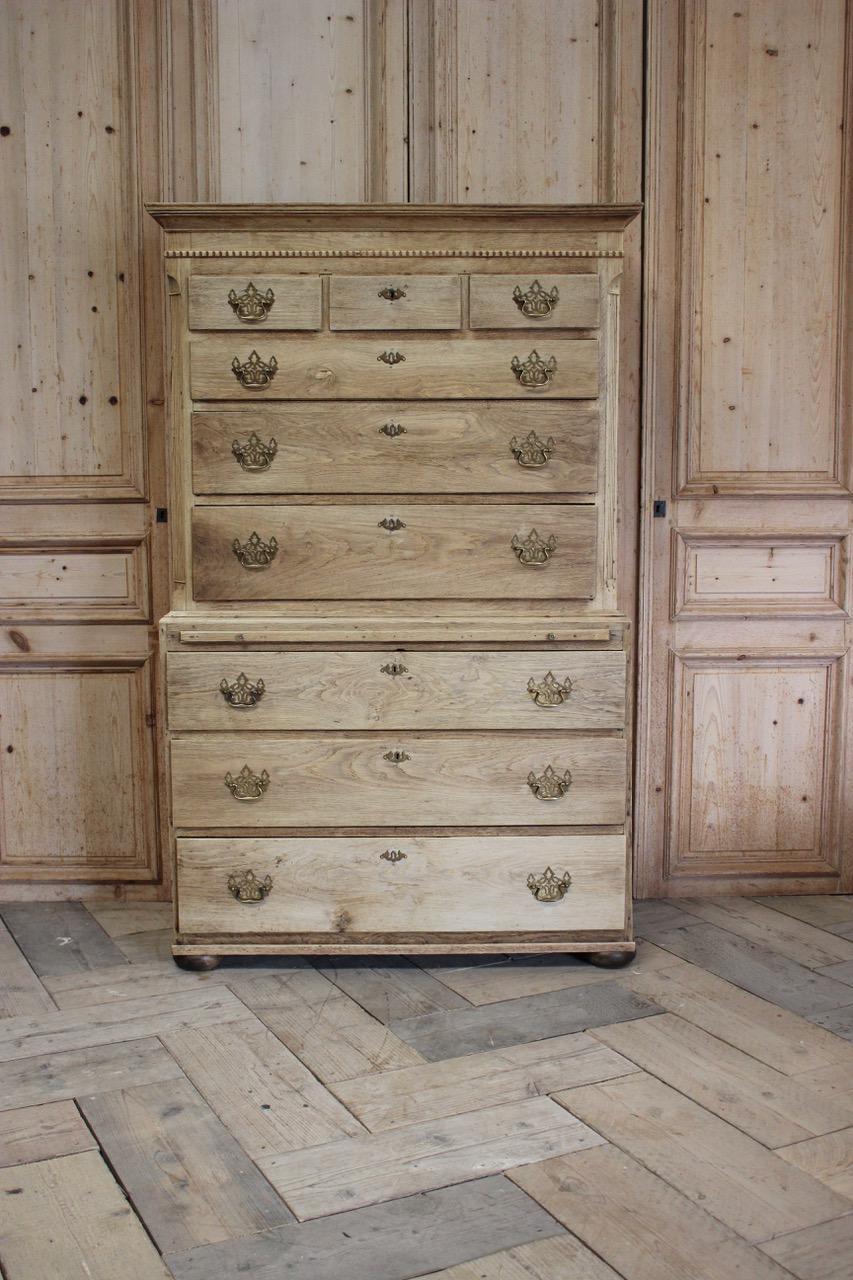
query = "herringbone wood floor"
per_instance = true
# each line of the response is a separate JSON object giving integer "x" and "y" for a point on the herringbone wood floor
{"x": 690, "y": 1118}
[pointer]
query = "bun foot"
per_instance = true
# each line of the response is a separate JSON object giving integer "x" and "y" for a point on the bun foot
{"x": 199, "y": 964}
{"x": 610, "y": 959}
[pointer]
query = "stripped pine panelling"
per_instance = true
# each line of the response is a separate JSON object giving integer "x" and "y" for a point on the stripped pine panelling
{"x": 798, "y": 941}
{"x": 395, "y": 989}
{"x": 20, "y": 990}
{"x": 458, "y": 1031}
{"x": 769, "y": 1106}
{"x": 356, "y": 1172}
{"x": 42, "y": 1133}
{"x": 393, "y": 1241}
{"x": 818, "y": 1253}
{"x": 641, "y": 1226}
{"x": 189, "y": 1180}
{"x": 725, "y": 1172}
{"x": 54, "y": 1076}
{"x": 59, "y": 937}
{"x": 259, "y": 1089}
{"x": 563, "y": 1257}
{"x": 479, "y": 1080}
{"x": 829, "y": 1158}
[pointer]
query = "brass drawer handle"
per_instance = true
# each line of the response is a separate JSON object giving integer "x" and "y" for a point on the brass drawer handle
{"x": 243, "y": 693}
{"x": 549, "y": 785}
{"x": 394, "y": 669}
{"x": 393, "y": 855}
{"x": 391, "y": 523}
{"x": 549, "y": 887}
{"x": 392, "y": 292}
{"x": 549, "y": 692}
{"x": 254, "y": 455}
{"x": 391, "y": 357}
{"x": 246, "y": 887}
{"x": 392, "y": 430}
{"x": 537, "y": 303}
{"x": 534, "y": 372}
{"x": 396, "y": 757}
{"x": 533, "y": 551}
{"x": 254, "y": 374}
{"x": 251, "y": 306}
{"x": 247, "y": 785}
{"x": 531, "y": 451}
{"x": 255, "y": 553}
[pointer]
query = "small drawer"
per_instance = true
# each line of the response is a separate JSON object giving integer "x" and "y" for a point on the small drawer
{"x": 259, "y": 302}
{"x": 406, "y": 552}
{"x": 534, "y": 302}
{"x": 402, "y": 882}
{"x": 467, "y": 447}
{"x": 396, "y": 689}
{"x": 395, "y": 302}
{"x": 397, "y": 779}
{"x": 230, "y": 367}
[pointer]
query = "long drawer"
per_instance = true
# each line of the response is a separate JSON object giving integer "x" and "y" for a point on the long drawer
{"x": 402, "y": 883}
{"x": 235, "y": 367}
{"x": 396, "y": 689}
{"x": 391, "y": 779}
{"x": 487, "y": 447}
{"x": 413, "y": 551}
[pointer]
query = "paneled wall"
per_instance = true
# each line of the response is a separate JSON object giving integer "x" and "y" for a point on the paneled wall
{"x": 744, "y": 597}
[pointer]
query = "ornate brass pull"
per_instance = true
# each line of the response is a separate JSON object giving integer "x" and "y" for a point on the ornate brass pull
{"x": 254, "y": 374}
{"x": 247, "y": 785}
{"x": 549, "y": 785}
{"x": 533, "y": 551}
{"x": 394, "y": 669}
{"x": 254, "y": 455}
{"x": 251, "y": 306}
{"x": 549, "y": 887}
{"x": 255, "y": 554}
{"x": 537, "y": 303}
{"x": 391, "y": 523}
{"x": 392, "y": 292}
{"x": 534, "y": 372}
{"x": 246, "y": 887}
{"x": 549, "y": 692}
{"x": 531, "y": 451}
{"x": 393, "y": 855}
{"x": 391, "y": 357}
{"x": 396, "y": 757}
{"x": 392, "y": 430}
{"x": 243, "y": 693}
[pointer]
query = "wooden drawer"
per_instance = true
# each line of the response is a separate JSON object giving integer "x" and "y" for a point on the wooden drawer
{"x": 490, "y": 447}
{"x": 534, "y": 302}
{"x": 473, "y": 884}
{"x": 375, "y": 367}
{"x": 395, "y": 302}
{"x": 391, "y": 779}
{"x": 397, "y": 689}
{"x": 413, "y": 551}
{"x": 262, "y": 302}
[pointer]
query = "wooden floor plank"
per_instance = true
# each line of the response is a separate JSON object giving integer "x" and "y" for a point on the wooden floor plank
{"x": 119, "y": 919}
{"x": 654, "y": 916}
{"x": 332, "y": 1035}
{"x": 21, "y": 992}
{"x": 66, "y": 1219}
{"x": 832, "y": 912}
{"x": 534, "y": 975}
{"x": 838, "y": 1021}
{"x": 54, "y": 1129}
{"x": 357, "y": 1172}
{"x": 799, "y": 941}
{"x": 126, "y": 982}
{"x": 818, "y": 1253}
{"x": 829, "y": 1158}
{"x": 562, "y": 1258}
{"x": 59, "y": 937}
{"x": 727, "y": 1173}
{"x": 835, "y": 1081}
{"x": 775, "y": 1036}
{"x": 144, "y": 948}
{"x": 640, "y": 1225}
{"x": 258, "y": 1088}
{"x": 479, "y": 1080}
{"x": 393, "y": 989}
{"x": 756, "y": 968}
{"x": 456, "y": 1031}
{"x": 28, "y": 1082}
{"x": 394, "y": 1241}
{"x": 773, "y": 1108}
{"x": 93, "y": 1025}
{"x": 187, "y": 1178}
{"x": 840, "y": 972}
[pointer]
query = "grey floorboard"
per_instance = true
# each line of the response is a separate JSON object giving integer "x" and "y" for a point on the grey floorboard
{"x": 391, "y": 988}
{"x": 652, "y": 918}
{"x": 60, "y": 937}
